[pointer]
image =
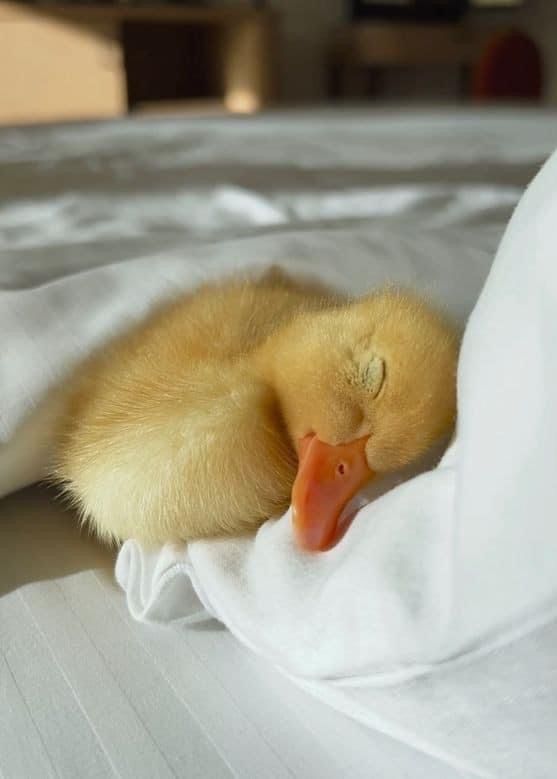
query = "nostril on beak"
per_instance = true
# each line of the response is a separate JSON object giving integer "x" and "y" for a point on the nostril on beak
{"x": 342, "y": 468}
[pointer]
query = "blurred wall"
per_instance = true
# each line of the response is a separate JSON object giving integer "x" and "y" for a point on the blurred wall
{"x": 306, "y": 26}
{"x": 539, "y": 18}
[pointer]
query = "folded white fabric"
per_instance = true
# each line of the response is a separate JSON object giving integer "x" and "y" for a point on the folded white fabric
{"x": 447, "y": 562}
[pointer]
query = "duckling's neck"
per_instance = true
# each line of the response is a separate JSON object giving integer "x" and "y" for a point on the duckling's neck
{"x": 288, "y": 362}
{"x": 272, "y": 360}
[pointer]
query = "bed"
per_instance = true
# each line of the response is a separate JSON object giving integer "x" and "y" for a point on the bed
{"x": 415, "y": 196}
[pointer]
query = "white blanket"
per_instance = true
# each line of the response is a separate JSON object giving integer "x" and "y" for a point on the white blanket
{"x": 441, "y": 566}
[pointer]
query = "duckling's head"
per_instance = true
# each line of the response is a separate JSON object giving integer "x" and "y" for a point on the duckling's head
{"x": 365, "y": 388}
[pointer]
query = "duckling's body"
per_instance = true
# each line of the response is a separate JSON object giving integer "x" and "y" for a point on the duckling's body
{"x": 188, "y": 425}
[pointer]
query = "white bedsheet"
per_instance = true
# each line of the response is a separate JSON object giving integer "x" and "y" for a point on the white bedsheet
{"x": 98, "y": 222}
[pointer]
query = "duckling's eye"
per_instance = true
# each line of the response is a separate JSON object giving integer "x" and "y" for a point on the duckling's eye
{"x": 368, "y": 371}
{"x": 372, "y": 374}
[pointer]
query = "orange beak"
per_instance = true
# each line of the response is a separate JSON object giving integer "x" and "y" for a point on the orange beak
{"x": 328, "y": 478}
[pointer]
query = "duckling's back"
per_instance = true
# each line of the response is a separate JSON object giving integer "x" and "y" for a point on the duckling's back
{"x": 164, "y": 425}
{"x": 225, "y": 320}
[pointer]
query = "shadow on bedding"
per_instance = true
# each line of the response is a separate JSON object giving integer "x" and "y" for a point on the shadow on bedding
{"x": 41, "y": 540}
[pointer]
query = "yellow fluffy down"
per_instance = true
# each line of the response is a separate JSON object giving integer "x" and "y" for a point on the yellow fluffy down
{"x": 187, "y": 426}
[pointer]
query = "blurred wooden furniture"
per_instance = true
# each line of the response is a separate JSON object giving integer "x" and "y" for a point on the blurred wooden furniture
{"x": 384, "y": 45}
{"x": 66, "y": 62}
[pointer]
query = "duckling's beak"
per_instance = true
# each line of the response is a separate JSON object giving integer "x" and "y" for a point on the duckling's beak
{"x": 328, "y": 478}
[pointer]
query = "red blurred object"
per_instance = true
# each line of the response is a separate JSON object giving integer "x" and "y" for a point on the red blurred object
{"x": 510, "y": 68}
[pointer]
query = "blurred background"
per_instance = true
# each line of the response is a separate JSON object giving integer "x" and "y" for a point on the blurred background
{"x": 76, "y": 60}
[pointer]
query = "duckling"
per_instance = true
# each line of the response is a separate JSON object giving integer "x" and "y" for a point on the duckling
{"x": 227, "y": 404}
